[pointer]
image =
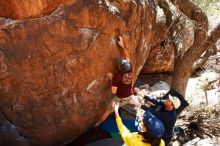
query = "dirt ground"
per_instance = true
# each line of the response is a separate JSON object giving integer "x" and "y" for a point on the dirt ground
{"x": 200, "y": 121}
{"x": 202, "y": 118}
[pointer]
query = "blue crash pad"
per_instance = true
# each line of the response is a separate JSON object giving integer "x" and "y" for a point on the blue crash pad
{"x": 111, "y": 126}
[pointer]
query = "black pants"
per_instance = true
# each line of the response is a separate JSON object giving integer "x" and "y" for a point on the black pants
{"x": 167, "y": 140}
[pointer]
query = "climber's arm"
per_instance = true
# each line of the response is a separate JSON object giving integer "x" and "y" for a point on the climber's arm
{"x": 123, "y": 50}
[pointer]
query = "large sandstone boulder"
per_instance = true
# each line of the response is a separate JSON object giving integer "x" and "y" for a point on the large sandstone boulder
{"x": 53, "y": 83}
{"x": 23, "y": 9}
{"x": 161, "y": 58}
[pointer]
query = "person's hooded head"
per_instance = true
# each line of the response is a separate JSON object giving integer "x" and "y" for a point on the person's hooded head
{"x": 175, "y": 100}
{"x": 172, "y": 103}
{"x": 123, "y": 65}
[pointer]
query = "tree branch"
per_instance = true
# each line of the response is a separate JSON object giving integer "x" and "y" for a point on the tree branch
{"x": 210, "y": 45}
{"x": 202, "y": 60}
{"x": 201, "y": 28}
{"x": 170, "y": 23}
{"x": 214, "y": 35}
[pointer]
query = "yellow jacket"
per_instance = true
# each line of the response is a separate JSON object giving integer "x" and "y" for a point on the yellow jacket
{"x": 132, "y": 139}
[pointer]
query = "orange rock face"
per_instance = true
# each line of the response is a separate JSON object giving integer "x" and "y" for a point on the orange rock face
{"x": 161, "y": 58}
{"x": 24, "y": 9}
{"x": 53, "y": 83}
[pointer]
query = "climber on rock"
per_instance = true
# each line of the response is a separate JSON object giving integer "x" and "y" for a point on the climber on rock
{"x": 167, "y": 112}
{"x": 150, "y": 130}
{"x": 121, "y": 88}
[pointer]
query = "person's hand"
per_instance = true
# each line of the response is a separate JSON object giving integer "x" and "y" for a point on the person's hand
{"x": 135, "y": 102}
{"x": 136, "y": 91}
{"x": 120, "y": 42}
{"x": 110, "y": 76}
{"x": 116, "y": 107}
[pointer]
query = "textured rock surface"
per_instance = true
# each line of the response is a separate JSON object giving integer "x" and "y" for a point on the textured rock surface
{"x": 53, "y": 83}
{"x": 23, "y": 9}
{"x": 161, "y": 57}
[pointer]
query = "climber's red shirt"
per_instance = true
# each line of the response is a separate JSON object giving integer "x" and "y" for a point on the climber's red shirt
{"x": 123, "y": 82}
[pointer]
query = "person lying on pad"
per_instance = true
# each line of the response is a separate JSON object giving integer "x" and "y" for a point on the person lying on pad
{"x": 150, "y": 130}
